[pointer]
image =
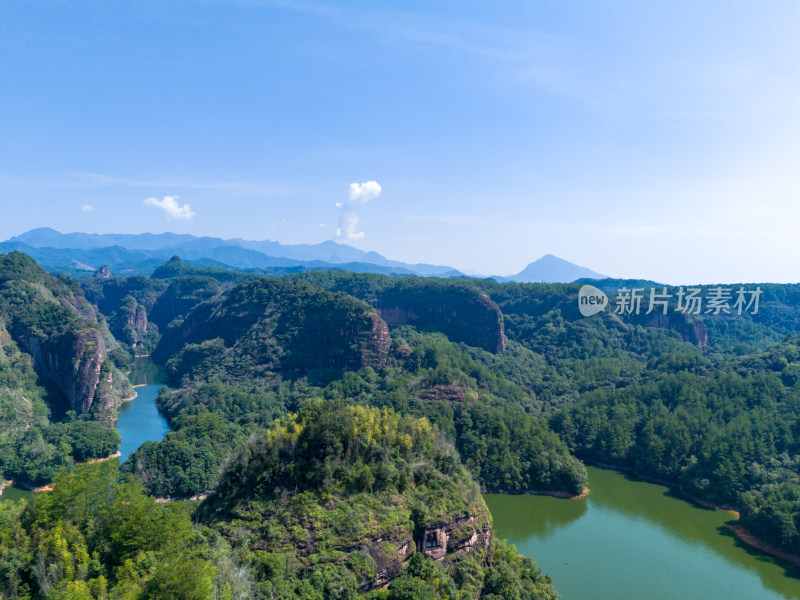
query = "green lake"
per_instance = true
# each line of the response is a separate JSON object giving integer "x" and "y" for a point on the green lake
{"x": 14, "y": 493}
{"x": 633, "y": 540}
{"x": 140, "y": 420}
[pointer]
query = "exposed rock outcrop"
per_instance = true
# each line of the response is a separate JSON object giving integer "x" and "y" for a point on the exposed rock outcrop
{"x": 461, "y": 535}
{"x": 441, "y": 541}
{"x": 451, "y": 393}
{"x": 73, "y": 362}
{"x": 277, "y": 325}
{"x": 462, "y": 313}
{"x": 378, "y": 343}
{"x": 137, "y": 318}
{"x": 691, "y": 330}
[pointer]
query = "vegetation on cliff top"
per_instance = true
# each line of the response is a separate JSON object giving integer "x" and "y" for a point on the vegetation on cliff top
{"x": 47, "y": 317}
{"x": 303, "y": 513}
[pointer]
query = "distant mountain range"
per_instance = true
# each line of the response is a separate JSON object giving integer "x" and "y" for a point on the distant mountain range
{"x": 126, "y": 254}
{"x": 80, "y": 254}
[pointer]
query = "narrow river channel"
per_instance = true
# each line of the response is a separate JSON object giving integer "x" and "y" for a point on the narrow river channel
{"x": 140, "y": 420}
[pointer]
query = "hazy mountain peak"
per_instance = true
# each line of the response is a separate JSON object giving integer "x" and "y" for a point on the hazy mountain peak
{"x": 552, "y": 269}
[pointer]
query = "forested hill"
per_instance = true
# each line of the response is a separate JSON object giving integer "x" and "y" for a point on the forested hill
{"x": 258, "y": 349}
{"x": 726, "y": 432}
{"x": 58, "y": 388}
{"x": 509, "y": 375}
{"x": 275, "y": 325}
{"x": 333, "y": 503}
{"x": 355, "y": 492}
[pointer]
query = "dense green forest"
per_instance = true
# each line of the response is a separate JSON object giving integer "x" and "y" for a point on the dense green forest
{"x": 52, "y": 356}
{"x": 497, "y": 427}
{"x": 286, "y": 401}
{"x": 289, "y": 520}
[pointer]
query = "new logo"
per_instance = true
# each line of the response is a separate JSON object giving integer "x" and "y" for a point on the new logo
{"x": 591, "y": 300}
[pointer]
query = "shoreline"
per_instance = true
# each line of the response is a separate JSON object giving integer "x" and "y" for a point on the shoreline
{"x": 741, "y": 533}
{"x": 561, "y": 495}
{"x": 4, "y": 484}
{"x": 48, "y": 487}
{"x": 32, "y": 488}
{"x": 552, "y": 493}
{"x": 116, "y": 454}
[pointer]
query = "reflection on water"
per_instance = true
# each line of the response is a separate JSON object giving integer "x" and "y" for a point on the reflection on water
{"x": 553, "y": 514}
{"x": 140, "y": 420}
{"x": 631, "y": 539}
{"x": 146, "y": 372}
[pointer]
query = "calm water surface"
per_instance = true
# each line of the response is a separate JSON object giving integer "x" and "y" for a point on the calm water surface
{"x": 633, "y": 540}
{"x": 14, "y": 493}
{"x": 139, "y": 420}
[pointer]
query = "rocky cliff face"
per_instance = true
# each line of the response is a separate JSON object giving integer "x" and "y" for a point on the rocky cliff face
{"x": 50, "y": 319}
{"x": 458, "y": 309}
{"x": 462, "y": 535}
{"x": 693, "y": 331}
{"x": 441, "y": 540}
{"x": 276, "y": 325}
{"x": 462, "y": 313}
{"x": 73, "y": 362}
{"x": 377, "y": 344}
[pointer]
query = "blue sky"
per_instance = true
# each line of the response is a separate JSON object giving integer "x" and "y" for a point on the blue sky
{"x": 641, "y": 139}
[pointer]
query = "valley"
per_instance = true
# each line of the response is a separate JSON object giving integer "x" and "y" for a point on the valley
{"x": 333, "y": 431}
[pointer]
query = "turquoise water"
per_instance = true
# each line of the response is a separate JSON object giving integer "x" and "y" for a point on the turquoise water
{"x": 140, "y": 420}
{"x": 633, "y": 540}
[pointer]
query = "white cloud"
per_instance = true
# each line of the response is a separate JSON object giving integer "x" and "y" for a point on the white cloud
{"x": 348, "y": 223}
{"x": 87, "y": 208}
{"x": 360, "y": 194}
{"x": 171, "y": 208}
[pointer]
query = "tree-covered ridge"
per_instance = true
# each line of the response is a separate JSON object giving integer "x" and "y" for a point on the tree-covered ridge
{"x": 176, "y": 267}
{"x": 726, "y": 432}
{"x": 494, "y": 423}
{"x": 274, "y": 325}
{"x": 35, "y": 303}
{"x": 343, "y": 449}
{"x": 97, "y": 536}
{"x": 52, "y": 364}
{"x": 354, "y": 495}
